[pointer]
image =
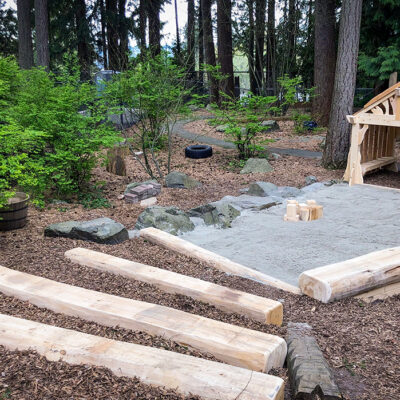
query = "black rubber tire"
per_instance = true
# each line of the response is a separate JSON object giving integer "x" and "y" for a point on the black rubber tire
{"x": 198, "y": 151}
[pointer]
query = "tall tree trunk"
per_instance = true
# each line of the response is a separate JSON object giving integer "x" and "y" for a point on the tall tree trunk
{"x": 200, "y": 43}
{"x": 259, "y": 40}
{"x": 338, "y": 137}
{"x": 225, "y": 55}
{"x": 209, "y": 50}
{"x": 178, "y": 40}
{"x": 153, "y": 13}
{"x": 25, "y": 50}
{"x": 271, "y": 50}
{"x": 250, "y": 54}
{"x": 123, "y": 34}
{"x": 191, "y": 40}
{"x": 292, "y": 34}
{"x": 42, "y": 33}
{"x": 83, "y": 39}
{"x": 112, "y": 35}
{"x": 103, "y": 33}
{"x": 324, "y": 59}
{"x": 142, "y": 26}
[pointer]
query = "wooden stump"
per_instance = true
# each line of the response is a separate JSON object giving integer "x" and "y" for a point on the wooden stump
{"x": 116, "y": 160}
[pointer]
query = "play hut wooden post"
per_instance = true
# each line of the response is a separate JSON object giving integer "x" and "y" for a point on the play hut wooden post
{"x": 373, "y": 136}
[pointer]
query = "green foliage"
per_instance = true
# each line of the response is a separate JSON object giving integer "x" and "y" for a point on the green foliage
{"x": 379, "y": 41}
{"x": 94, "y": 199}
{"x": 242, "y": 118}
{"x": 48, "y": 145}
{"x": 8, "y": 31}
{"x": 153, "y": 91}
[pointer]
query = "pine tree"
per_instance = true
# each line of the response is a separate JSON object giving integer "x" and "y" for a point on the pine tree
{"x": 225, "y": 56}
{"x": 25, "y": 48}
{"x": 338, "y": 136}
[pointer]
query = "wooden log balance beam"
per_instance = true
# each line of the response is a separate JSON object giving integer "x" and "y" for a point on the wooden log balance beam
{"x": 352, "y": 277}
{"x": 259, "y": 308}
{"x": 188, "y": 375}
{"x": 211, "y": 259}
{"x": 228, "y": 343}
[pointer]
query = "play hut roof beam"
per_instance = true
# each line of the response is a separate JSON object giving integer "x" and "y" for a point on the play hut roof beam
{"x": 373, "y": 136}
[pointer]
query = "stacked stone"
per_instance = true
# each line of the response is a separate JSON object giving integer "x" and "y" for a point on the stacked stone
{"x": 142, "y": 192}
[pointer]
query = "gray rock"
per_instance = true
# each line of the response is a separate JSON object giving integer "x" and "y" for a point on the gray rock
{"x": 310, "y": 179}
{"x": 246, "y": 202}
{"x": 132, "y": 185}
{"x": 168, "y": 219}
{"x": 180, "y": 180}
{"x": 261, "y": 188}
{"x": 256, "y": 165}
{"x": 193, "y": 107}
{"x": 221, "y": 128}
{"x": 219, "y": 214}
{"x": 288, "y": 191}
{"x": 276, "y": 156}
{"x": 271, "y": 125}
{"x": 100, "y": 230}
{"x": 313, "y": 187}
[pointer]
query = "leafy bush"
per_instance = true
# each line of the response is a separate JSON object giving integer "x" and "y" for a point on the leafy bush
{"x": 153, "y": 91}
{"x": 52, "y": 132}
{"x": 243, "y": 117}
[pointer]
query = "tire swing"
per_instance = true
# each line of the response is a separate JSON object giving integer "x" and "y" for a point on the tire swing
{"x": 198, "y": 151}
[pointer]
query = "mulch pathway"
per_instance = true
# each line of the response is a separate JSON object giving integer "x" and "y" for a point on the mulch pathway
{"x": 360, "y": 341}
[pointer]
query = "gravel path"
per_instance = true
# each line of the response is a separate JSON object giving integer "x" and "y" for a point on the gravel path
{"x": 180, "y": 131}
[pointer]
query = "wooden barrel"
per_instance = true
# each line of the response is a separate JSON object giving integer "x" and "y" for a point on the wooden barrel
{"x": 14, "y": 214}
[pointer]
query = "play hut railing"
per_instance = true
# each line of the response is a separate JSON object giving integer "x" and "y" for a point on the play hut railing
{"x": 373, "y": 136}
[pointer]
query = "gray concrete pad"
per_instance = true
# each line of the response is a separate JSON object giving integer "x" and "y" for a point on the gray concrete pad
{"x": 357, "y": 220}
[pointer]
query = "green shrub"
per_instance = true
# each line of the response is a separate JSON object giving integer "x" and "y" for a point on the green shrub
{"x": 153, "y": 91}
{"x": 51, "y": 144}
{"x": 243, "y": 117}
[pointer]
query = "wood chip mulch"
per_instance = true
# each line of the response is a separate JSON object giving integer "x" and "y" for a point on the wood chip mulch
{"x": 360, "y": 341}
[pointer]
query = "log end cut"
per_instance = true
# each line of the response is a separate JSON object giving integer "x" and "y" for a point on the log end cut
{"x": 315, "y": 288}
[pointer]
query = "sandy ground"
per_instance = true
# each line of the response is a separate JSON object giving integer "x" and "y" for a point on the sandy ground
{"x": 357, "y": 220}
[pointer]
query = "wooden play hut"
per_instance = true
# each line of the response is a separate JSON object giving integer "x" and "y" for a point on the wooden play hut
{"x": 373, "y": 136}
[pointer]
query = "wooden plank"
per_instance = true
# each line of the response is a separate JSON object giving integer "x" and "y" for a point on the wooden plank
{"x": 214, "y": 260}
{"x": 382, "y": 120}
{"x": 352, "y": 277}
{"x": 380, "y": 96}
{"x": 380, "y": 293}
{"x": 228, "y": 343}
{"x": 188, "y": 375}
{"x": 376, "y": 164}
{"x": 256, "y": 307}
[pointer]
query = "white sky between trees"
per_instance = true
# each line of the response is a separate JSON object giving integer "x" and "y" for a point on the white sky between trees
{"x": 167, "y": 17}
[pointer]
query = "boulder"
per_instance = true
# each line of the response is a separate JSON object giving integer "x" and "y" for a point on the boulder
{"x": 261, "y": 189}
{"x": 256, "y": 165}
{"x": 221, "y": 128}
{"x": 168, "y": 219}
{"x": 219, "y": 214}
{"x": 100, "y": 230}
{"x": 180, "y": 180}
{"x": 310, "y": 179}
{"x": 246, "y": 202}
{"x": 288, "y": 191}
{"x": 270, "y": 125}
{"x": 132, "y": 185}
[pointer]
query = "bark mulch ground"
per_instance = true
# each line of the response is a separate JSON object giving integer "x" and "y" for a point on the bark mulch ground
{"x": 360, "y": 341}
{"x": 285, "y": 137}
